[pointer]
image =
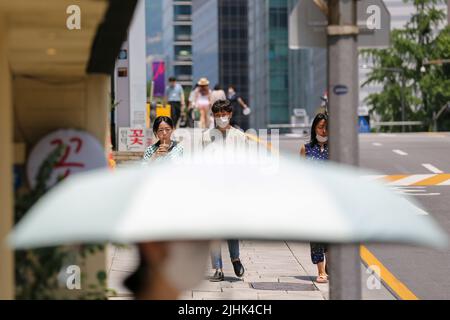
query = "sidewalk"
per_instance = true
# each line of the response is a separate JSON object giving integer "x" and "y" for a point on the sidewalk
{"x": 274, "y": 271}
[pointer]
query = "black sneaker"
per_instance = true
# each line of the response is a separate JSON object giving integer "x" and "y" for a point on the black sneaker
{"x": 238, "y": 268}
{"x": 217, "y": 277}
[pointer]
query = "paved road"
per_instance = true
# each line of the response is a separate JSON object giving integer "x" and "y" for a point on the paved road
{"x": 412, "y": 159}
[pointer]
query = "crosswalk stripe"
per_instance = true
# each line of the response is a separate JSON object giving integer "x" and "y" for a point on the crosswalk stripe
{"x": 403, "y": 180}
{"x": 394, "y": 178}
{"x": 410, "y": 180}
{"x": 435, "y": 180}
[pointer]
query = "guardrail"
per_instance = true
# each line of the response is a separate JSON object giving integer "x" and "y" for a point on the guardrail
{"x": 396, "y": 123}
{"x": 288, "y": 126}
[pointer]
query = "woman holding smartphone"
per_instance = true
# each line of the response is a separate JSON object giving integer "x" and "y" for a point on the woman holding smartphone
{"x": 165, "y": 148}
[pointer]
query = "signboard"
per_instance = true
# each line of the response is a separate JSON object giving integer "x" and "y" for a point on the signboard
{"x": 364, "y": 124}
{"x": 134, "y": 139}
{"x": 158, "y": 68}
{"x": 83, "y": 152}
{"x": 307, "y": 25}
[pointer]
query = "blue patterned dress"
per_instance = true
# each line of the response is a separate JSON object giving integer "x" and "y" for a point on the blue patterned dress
{"x": 315, "y": 153}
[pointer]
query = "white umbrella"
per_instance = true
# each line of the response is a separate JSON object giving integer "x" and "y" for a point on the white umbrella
{"x": 287, "y": 199}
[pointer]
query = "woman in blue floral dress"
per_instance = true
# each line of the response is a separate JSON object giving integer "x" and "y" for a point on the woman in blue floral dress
{"x": 317, "y": 150}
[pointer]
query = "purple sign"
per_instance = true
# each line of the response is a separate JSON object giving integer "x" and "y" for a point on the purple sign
{"x": 159, "y": 82}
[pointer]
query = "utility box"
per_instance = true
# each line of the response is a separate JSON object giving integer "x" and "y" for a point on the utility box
{"x": 299, "y": 119}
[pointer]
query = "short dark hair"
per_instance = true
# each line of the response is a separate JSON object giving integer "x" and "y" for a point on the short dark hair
{"x": 217, "y": 87}
{"x": 137, "y": 280}
{"x": 171, "y": 79}
{"x": 158, "y": 122}
{"x": 319, "y": 117}
{"x": 222, "y": 105}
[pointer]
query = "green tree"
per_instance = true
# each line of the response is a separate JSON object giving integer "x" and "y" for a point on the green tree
{"x": 426, "y": 87}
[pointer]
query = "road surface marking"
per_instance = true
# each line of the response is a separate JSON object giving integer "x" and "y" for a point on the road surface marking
{"x": 434, "y": 180}
{"x": 431, "y": 168}
{"x": 387, "y": 134}
{"x": 393, "y": 178}
{"x": 442, "y": 179}
{"x": 377, "y": 144}
{"x": 446, "y": 183}
{"x": 386, "y": 276}
{"x": 427, "y": 194}
{"x": 409, "y": 180}
{"x": 400, "y": 152}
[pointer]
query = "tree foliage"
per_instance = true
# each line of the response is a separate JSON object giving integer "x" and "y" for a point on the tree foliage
{"x": 36, "y": 271}
{"x": 426, "y": 87}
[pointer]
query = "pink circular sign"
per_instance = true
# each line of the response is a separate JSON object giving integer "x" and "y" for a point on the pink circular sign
{"x": 83, "y": 152}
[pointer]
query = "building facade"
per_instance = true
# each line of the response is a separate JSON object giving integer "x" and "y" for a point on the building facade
{"x": 177, "y": 40}
{"x": 153, "y": 32}
{"x": 280, "y": 79}
{"x": 220, "y": 42}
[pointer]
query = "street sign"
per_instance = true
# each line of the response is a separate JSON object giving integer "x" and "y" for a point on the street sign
{"x": 364, "y": 124}
{"x": 307, "y": 25}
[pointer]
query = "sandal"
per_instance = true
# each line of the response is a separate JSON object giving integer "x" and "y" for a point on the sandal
{"x": 322, "y": 279}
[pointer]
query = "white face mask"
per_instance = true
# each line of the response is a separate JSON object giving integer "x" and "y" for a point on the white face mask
{"x": 321, "y": 139}
{"x": 186, "y": 263}
{"x": 222, "y": 122}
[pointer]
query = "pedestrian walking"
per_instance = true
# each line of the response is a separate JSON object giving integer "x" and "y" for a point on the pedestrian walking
{"x": 222, "y": 112}
{"x": 165, "y": 147}
{"x": 175, "y": 98}
{"x": 217, "y": 94}
{"x": 192, "y": 113}
{"x": 240, "y": 110}
{"x": 317, "y": 150}
{"x": 202, "y": 101}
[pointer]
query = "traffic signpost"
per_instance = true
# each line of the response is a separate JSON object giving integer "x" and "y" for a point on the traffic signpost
{"x": 341, "y": 26}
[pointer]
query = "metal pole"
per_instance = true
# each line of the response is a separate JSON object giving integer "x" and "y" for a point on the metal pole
{"x": 345, "y": 263}
{"x": 403, "y": 99}
{"x": 448, "y": 12}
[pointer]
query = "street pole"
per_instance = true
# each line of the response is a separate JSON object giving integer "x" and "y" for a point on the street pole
{"x": 448, "y": 12}
{"x": 345, "y": 263}
{"x": 402, "y": 94}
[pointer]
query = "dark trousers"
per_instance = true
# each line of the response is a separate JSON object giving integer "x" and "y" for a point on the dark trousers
{"x": 318, "y": 251}
{"x": 175, "y": 111}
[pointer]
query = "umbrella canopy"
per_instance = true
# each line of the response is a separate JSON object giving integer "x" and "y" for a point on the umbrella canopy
{"x": 277, "y": 198}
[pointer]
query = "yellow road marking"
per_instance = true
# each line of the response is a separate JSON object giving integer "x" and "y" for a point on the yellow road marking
{"x": 394, "y": 177}
{"x": 388, "y": 278}
{"x": 369, "y": 259}
{"x": 434, "y": 180}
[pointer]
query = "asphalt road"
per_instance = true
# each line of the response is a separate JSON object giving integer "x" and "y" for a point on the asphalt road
{"x": 423, "y": 271}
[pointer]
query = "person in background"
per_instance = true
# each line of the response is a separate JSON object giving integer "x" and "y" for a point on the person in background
{"x": 239, "y": 120}
{"x": 217, "y": 94}
{"x": 202, "y": 100}
{"x": 175, "y": 97}
{"x": 192, "y": 111}
{"x": 222, "y": 112}
{"x": 317, "y": 150}
{"x": 165, "y": 148}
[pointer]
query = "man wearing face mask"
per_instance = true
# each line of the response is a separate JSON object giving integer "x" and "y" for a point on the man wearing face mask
{"x": 230, "y": 137}
{"x": 223, "y": 130}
